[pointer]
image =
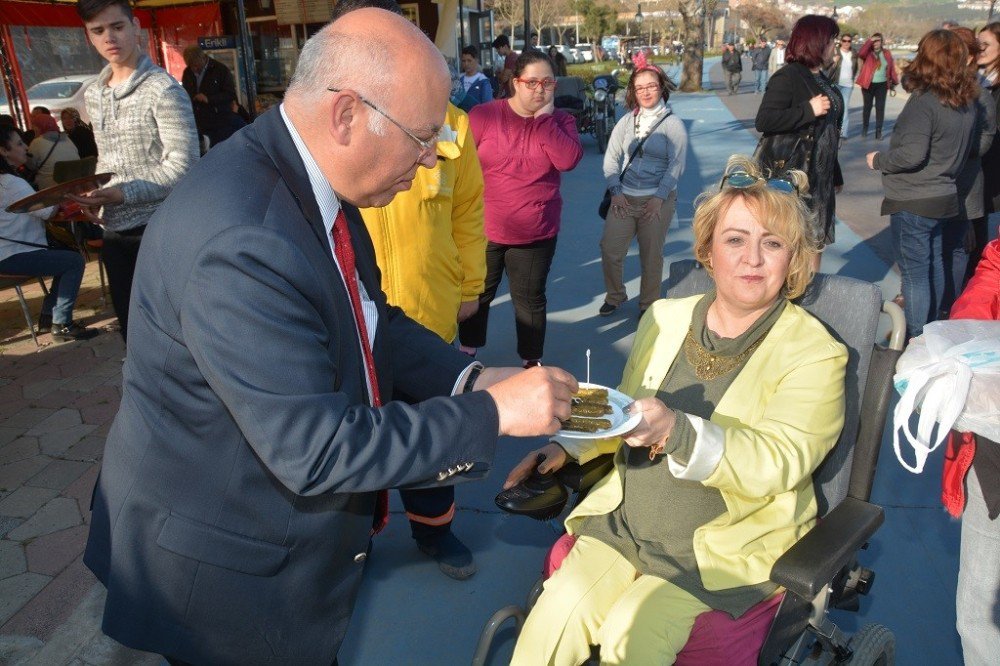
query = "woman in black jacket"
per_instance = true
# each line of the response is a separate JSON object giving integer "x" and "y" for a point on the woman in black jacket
{"x": 989, "y": 60}
{"x": 801, "y": 100}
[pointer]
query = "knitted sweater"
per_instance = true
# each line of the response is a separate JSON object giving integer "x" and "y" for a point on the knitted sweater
{"x": 145, "y": 134}
{"x": 658, "y": 168}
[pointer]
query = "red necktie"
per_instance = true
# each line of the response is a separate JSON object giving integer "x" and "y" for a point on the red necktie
{"x": 344, "y": 251}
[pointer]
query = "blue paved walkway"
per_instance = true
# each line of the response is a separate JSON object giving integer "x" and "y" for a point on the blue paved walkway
{"x": 409, "y": 613}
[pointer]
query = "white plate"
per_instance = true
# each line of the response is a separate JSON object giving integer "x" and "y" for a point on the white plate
{"x": 621, "y": 422}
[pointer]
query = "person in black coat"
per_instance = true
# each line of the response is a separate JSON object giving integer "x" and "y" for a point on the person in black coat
{"x": 210, "y": 85}
{"x": 79, "y": 132}
{"x": 732, "y": 65}
{"x": 800, "y": 98}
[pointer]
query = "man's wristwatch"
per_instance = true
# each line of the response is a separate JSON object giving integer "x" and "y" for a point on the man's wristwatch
{"x": 470, "y": 381}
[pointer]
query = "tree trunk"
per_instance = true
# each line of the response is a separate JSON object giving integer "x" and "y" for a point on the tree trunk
{"x": 694, "y": 50}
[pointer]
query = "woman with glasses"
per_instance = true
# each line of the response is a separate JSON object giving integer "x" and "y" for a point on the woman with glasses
{"x": 878, "y": 75}
{"x": 931, "y": 141}
{"x": 524, "y": 144}
{"x": 842, "y": 72}
{"x": 643, "y": 185}
{"x": 741, "y": 394}
{"x": 802, "y": 102}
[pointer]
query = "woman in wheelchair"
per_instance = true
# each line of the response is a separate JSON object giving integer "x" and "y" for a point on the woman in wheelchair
{"x": 742, "y": 396}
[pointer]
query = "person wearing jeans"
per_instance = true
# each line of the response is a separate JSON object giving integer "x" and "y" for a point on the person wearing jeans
{"x": 932, "y": 139}
{"x": 24, "y": 249}
{"x": 932, "y": 259}
{"x": 842, "y": 71}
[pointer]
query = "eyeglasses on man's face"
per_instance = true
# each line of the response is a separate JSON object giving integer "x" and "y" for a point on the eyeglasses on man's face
{"x": 845, "y": 40}
{"x": 546, "y": 84}
{"x": 741, "y": 180}
{"x": 427, "y": 146}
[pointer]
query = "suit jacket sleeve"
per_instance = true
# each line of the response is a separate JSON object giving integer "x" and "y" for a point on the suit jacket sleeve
{"x": 253, "y": 291}
{"x": 783, "y": 109}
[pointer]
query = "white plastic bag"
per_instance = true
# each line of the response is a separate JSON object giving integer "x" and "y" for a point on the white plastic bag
{"x": 951, "y": 376}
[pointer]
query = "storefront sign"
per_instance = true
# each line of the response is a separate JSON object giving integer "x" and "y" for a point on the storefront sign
{"x": 223, "y": 42}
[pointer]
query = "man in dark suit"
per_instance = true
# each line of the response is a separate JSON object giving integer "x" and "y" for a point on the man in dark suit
{"x": 242, "y": 477}
{"x": 210, "y": 85}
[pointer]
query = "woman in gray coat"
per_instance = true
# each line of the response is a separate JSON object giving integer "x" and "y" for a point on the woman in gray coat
{"x": 644, "y": 190}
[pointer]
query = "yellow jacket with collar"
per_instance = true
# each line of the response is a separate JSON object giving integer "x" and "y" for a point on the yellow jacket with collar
{"x": 429, "y": 241}
{"x": 775, "y": 424}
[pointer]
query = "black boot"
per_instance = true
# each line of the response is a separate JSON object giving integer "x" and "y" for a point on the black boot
{"x": 878, "y": 134}
{"x": 864, "y": 130}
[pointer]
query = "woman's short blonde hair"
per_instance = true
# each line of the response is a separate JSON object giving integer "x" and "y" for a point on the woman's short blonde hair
{"x": 783, "y": 214}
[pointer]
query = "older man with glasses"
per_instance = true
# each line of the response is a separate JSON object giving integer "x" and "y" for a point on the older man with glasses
{"x": 243, "y": 477}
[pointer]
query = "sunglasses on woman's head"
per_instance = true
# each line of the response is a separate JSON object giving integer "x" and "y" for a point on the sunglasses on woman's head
{"x": 741, "y": 180}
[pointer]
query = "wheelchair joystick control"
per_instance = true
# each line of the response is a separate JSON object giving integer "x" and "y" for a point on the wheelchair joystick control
{"x": 540, "y": 496}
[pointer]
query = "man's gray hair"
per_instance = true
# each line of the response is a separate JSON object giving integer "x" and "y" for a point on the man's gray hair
{"x": 332, "y": 59}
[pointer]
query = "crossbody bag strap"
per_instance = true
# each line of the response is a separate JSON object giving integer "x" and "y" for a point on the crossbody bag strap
{"x": 49, "y": 154}
{"x": 638, "y": 147}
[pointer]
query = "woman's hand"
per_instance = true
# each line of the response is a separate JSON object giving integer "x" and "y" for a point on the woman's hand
{"x": 652, "y": 208}
{"x": 656, "y": 425}
{"x": 547, "y": 109}
{"x": 820, "y": 105}
{"x": 619, "y": 204}
{"x": 555, "y": 458}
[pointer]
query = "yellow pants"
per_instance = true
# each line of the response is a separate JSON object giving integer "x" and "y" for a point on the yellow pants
{"x": 596, "y": 598}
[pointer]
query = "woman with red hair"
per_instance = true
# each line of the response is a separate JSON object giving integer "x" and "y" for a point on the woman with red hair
{"x": 930, "y": 144}
{"x": 800, "y": 98}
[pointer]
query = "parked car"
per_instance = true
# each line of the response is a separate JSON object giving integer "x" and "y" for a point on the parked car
{"x": 587, "y": 51}
{"x": 57, "y": 94}
{"x": 576, "y": 55}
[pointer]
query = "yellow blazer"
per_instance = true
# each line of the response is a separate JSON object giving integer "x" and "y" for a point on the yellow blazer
{"x": 429, "y": 241}
{"x": 772, "y": 428}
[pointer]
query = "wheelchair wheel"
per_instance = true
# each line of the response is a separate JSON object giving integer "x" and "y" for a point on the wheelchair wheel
{"x": 874, "y": 645}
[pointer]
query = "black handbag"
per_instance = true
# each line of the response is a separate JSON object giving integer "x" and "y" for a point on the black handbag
{"x": 605, "y": 206}
{"x": 778, "y": 153}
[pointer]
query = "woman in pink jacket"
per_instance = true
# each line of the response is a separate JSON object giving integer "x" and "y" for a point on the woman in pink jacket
{"x": 877, "y": 76}
{"x": 524, "y": 144}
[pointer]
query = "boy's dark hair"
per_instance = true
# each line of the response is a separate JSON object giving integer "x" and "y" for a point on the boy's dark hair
{"x": 88, "y": 9}
{"x": 471, "y": 51}
{"x": 501, "y": 41}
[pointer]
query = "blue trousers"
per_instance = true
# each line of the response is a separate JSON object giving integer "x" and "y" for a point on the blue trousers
{"x": 932, "y": 258}
{"x": 66, "y": 269}
{"x": 761, "y": 80}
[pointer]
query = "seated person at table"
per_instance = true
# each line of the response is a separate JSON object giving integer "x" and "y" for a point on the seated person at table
{"x": 48, "y": 147}
{"x": 741, "y": 394}
{"x": 24, "y": 251}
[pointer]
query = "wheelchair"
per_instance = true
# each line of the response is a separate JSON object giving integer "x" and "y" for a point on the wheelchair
{"x": 820, "y": 571}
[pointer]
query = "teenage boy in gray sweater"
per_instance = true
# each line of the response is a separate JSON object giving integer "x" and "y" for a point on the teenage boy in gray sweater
{"x": 145, "y": 135}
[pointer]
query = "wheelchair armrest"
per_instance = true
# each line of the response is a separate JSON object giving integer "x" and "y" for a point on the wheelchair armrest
{"x": 828, "y": 547}
{"x": 583, "y": 477}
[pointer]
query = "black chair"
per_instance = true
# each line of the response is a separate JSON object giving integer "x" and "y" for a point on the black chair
{"x": 821, "y": 570}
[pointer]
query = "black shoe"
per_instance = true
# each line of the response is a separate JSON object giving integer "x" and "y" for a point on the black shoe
{"x": 878, "y": 135}
{"x": 864, "y": 132}
{"x": 540, "y": 496}
{"x": 607, "y": 309}
{"x": 71, "y": 331}
{"x": 44, "y": 323}
{"x": 453, "y": 557}
{"x": 533, "y": 363}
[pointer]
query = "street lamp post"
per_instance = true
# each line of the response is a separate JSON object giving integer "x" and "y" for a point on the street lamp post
{"x": 638, "y": 21}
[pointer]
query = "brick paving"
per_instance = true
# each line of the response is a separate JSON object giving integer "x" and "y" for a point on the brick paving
{"x": 57, "y": 402}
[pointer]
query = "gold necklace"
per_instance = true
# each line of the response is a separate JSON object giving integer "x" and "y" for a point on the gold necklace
{"x": 708, "y": 366}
